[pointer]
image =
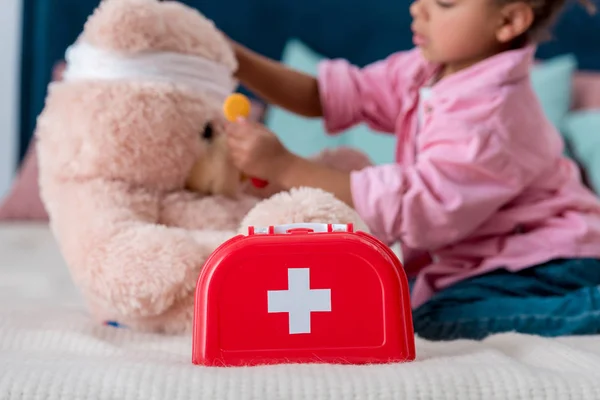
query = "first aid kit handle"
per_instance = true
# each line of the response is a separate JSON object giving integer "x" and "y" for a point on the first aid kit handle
{"x": 315, "y": 227}
{"x": 309, "y": 226}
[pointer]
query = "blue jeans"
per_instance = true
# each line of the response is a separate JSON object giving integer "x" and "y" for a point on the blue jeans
{"x": 558, "y": 298}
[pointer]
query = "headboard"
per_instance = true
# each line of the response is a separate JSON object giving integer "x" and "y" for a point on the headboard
{"x": 359, "y": 30}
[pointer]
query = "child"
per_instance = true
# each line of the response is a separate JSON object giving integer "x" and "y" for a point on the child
{"x": 480, "y": 181}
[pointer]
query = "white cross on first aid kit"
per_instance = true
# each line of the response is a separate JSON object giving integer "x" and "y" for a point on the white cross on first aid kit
{"x": 299, "y": 300}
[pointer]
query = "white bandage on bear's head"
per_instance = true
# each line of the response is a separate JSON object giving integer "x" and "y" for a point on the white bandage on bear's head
{"x": 193, "y": 72}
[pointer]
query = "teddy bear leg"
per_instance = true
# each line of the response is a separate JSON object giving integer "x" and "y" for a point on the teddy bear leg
{"x": 306, "y": 205}
{"x": 299, "y": 206}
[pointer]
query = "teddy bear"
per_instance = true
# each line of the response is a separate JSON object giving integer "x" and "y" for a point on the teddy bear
{"x": 134, "y": 169}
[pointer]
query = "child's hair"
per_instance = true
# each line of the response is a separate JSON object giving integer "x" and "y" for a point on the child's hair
{"x": 545, "y": 13}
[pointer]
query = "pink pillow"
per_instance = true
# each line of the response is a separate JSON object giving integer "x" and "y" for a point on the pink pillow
{"x": 23, "y": 201}
{"x": 586, "y": 90}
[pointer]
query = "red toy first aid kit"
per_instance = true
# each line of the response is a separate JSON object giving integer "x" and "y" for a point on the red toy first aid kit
{"x": 302, "y": 293}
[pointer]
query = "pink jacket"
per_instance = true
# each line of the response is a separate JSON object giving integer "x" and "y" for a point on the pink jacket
{"x": 482, "y": 185}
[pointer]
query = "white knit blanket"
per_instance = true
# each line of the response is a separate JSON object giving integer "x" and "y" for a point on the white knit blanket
{"x": 50, "y": 350}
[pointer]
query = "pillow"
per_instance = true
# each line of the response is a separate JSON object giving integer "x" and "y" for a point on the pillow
{"x": 582, "y": 135}
{"x": 551, "y": 80}
{"x": 586, "y": 90}
{"x": 23, "y": 200}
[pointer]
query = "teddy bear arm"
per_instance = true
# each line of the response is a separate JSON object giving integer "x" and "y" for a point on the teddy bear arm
{"x": 144, "y": 269}
{"x": 192, "y": 211}
{"x": 122, "y": 258}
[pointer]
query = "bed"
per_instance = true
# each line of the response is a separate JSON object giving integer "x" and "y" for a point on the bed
{"x": 50, "y": 349}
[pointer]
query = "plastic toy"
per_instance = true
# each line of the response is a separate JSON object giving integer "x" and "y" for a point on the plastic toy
{"x": 302, "y": 293}
{"x": 235, "y": 106}
{"x": 238, "y": 106}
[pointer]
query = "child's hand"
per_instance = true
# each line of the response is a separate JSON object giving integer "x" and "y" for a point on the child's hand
{"x": 258, "y": 153}
{"x": 255, "y": 150}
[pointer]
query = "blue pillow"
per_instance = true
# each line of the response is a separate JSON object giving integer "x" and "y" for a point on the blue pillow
{"x": 581, "y": 130}
{"x": 551, "y": 80}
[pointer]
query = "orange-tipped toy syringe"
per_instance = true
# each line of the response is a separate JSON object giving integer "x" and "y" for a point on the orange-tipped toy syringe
{"x": 238, "y": 106}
